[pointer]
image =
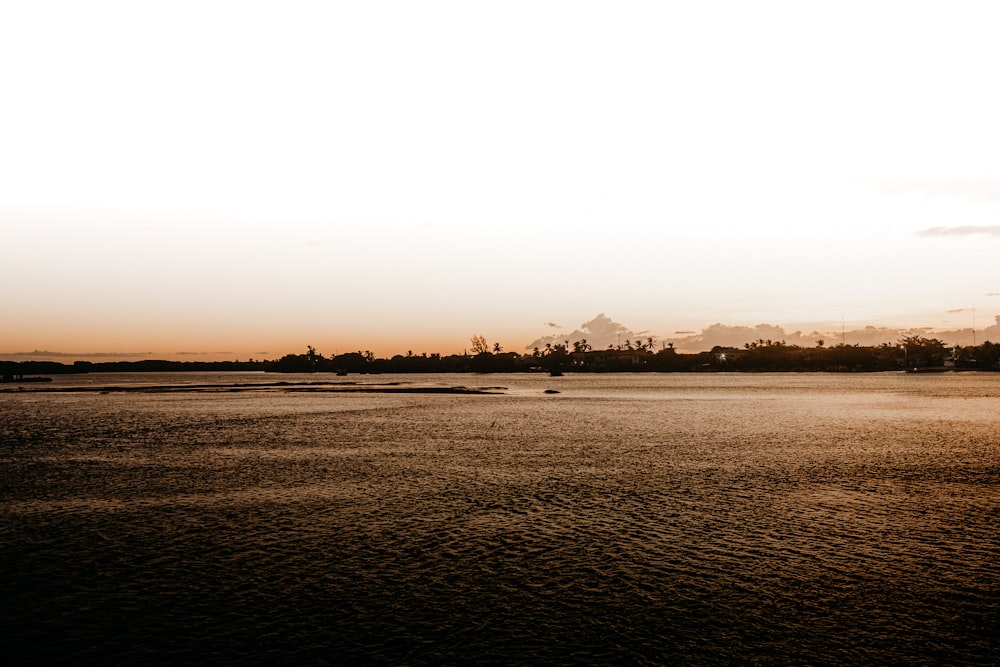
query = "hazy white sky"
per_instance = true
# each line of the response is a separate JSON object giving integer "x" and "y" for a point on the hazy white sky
{"x": 246, "y": 178}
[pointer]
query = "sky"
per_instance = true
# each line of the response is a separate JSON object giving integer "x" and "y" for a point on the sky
{"x": 225, "y": 180}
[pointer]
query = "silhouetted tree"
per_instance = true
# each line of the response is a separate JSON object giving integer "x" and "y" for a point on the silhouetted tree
{"x": 480, "y": 345}
{"x": 919, "y": 351}
{"x": 556, "y": 357}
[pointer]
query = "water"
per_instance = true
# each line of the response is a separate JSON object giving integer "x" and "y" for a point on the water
{"x": 628, "y": 519}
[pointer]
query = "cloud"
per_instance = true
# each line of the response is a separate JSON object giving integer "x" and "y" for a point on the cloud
{"x": 965, "y": 336}
{"x": 46, "y": 354}
{"x": 957, "y": 310}
{"x": 553, "y": 325}
{"x": 961, "y": 230}
{"x": 975, "y": 190}
{"x": 993, "y": 294}
{"x": 724, "y": 335}
{"x": 599, "y": 333}
{"x": 737, "y": 336}
{"x": 603, "y": 331}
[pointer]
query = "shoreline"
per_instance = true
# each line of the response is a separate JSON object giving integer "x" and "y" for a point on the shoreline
{"x": 276, "y": 387}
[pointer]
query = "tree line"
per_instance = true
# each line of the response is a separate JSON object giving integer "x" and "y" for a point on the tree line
{"x": 909, "y": 353}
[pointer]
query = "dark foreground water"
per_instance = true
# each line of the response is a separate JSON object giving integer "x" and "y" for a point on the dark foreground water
{"x": 633, "y": 519}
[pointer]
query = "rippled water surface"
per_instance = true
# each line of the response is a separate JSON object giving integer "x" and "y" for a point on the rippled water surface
{"x": 636, "y": 519}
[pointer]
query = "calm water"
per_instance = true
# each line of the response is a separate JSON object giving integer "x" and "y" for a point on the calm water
{"x": 635, "y": 519}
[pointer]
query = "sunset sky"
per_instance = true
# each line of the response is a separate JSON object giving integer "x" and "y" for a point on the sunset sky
{"x": 241, "y": 179}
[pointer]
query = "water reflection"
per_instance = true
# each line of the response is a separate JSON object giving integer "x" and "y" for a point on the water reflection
{"x": 638, "y": 519}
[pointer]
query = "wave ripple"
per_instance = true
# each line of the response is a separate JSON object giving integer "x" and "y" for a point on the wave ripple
{"x": 608, "y": 524}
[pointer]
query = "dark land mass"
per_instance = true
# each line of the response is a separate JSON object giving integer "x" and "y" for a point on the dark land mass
{"x": 315, "y": 387}
{"x": 913, "y": 353}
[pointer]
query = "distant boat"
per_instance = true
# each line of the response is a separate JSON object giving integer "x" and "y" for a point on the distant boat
{"x": 948, "y": 365}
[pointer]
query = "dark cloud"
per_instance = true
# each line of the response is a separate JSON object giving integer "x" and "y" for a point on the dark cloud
{"x": 957, "y": 310}
{"x": 553, "y": 325}
{"x": 961, "y": 230}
